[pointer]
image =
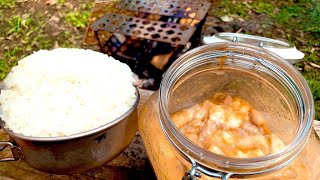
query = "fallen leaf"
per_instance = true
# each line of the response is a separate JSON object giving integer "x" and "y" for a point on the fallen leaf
{"x": 101, "y": 1}
{"x": 260, "y": 31}
{"x": 28, "y": 49}
{"x": 226, "y": 18}
{"x": 314, "y": 65}
{"x": 56, "y": 45}
{"x": 25, "y": 16}
{"x": 312, "y": 50}
{"x": 54, "y": 19}
{"x": 55, "y": 33}
{"x": 59, "y": 14}
{"x": 9, "y": 37}
{"x": 301, "y": 40}
{"x": 51, "y": 2}
{"x": 307, "y": 68}
{"x": 68, "y": 5}
{"x": 239, "y": 30}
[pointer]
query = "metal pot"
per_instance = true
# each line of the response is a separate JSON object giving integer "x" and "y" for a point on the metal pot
{"x": 75, "y": 153}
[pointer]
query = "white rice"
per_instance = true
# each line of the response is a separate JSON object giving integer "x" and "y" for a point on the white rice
{"x": 65, "y": 91}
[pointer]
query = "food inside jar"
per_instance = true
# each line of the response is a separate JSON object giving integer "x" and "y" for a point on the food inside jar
{"x": 228, "y": 126}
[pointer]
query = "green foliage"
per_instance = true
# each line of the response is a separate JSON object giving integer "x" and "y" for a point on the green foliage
{"x": 10, "y": 59}
{"x": 1, "y": 14}
{"x": 86, "y": 5}
{"x": 4, "y": 69}
{"x": 77, "y": 19}
{"x": 311, "y": 57}
{"x": 317, "y": 108}
{"x": 313, "y": 80}
{"x": 23, "y": 31}
{"x": 305, "y": 16}
{"x": 11, "y": 55}
{"x": 312, "y": 20}
{"x": 262, "y": 7}
{"x": 231, "y": 7}
{"x": 16, "y": 24}
{"x": 288, "y": 13}
{"x": 7, "y": 3}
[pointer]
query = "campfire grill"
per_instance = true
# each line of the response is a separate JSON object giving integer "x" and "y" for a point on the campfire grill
{"x": 151, "y": 39}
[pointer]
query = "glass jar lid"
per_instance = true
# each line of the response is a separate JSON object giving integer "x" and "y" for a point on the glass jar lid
{"x": 281, "y": 48}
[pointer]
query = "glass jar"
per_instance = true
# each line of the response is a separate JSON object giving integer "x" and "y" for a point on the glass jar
{"x": 270, "y": 84}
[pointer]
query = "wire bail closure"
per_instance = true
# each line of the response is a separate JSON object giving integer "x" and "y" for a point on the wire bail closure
{"x": 196, "y": 171}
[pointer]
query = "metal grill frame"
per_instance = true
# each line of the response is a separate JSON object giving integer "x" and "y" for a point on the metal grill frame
{"x": 175, "y": 8}
{"x": 144, "y": 28}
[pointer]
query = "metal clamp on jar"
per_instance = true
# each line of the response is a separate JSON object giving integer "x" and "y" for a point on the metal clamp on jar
{"x": 269, "y": 83}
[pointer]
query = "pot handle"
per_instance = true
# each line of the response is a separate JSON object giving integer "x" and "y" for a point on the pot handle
{"x": 15, "y": 151}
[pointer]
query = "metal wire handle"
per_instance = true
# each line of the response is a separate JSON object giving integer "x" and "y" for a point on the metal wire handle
{"x": 195, "y": 170}
{"x": 15, "y": 150}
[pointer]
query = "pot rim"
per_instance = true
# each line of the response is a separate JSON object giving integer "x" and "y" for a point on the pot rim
{"x": 77, "y": 135}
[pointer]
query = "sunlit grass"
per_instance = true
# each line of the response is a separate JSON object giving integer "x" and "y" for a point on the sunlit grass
{"x": 78, "y": 19}
{"x": 7, "y": 3}
{"x": 22, "y": 32}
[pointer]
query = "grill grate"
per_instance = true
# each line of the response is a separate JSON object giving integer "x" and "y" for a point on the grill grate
{"x": 153, "y": 37}
{"x": 175, "y": 8}
{"x": 145, "y": 28}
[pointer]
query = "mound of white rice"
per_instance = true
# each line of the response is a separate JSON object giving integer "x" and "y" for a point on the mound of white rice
{"x": 65, "y": 91}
